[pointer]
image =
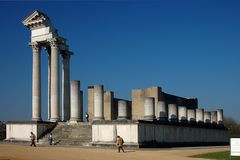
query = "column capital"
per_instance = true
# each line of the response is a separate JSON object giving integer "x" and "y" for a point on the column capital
{"x": 53, "y": 42}
{"x": 36, "y": 47}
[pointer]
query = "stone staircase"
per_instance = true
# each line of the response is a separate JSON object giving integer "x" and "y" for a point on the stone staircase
{"x": 70, "y": 134}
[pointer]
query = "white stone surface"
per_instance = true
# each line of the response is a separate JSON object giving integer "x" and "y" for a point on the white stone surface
{"x": 172, "y": 112}
{"x": 207, "y": 117}
{"x": 162, "y": 110}
{"x": 75, "y": 102}
{"x": 149, "y": 112}
{"x": 199, "y": 115}
{"x": 214, "y": 117}
{"x": 191, "y": 115}
{"x": 182, "y": 113}
{"x": 98, "y": 102}
{"x": 122, "y": 109}
{"x": 220, "y": 116}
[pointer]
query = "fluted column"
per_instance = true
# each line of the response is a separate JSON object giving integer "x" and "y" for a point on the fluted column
{"x": 199, "y": 115}
{"x": 98, "y": 102}
{"x": 182, "y": 113}
{"x": 220, "y": 116}
{"x": 122, "y": 110}
{"x": 49, "y": 83}
{"x": 65, "y": 87}
{"x": 75, "y": 102}
{"x": 55, "y": 88}
{"x": 149, "y": 112}
{"x": 162, "y": 115}
{"x": 172, "y": 112}
{"x": 36, "y": 82}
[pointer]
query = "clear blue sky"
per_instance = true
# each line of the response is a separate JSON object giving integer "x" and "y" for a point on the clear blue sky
{"x": 189, "y": 48}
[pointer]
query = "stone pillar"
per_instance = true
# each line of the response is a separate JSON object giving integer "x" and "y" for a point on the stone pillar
{"x": 182, "y": 113}
{"x": 75, "y": 101}
{"x": 220, "y": 116}
{"x": 49, "y": 84}
{"x": 149, "y": 108}
{"x": 214, "y": 117}
{"x": 172, "y": 112}
{"x": 207, "y": 117}
{"x": 98, "y": 103}
{"x": 55, "y": 88}
{"x": 36, "y": 82}
{"x": 122, "y": 110}
{"x": 199, "y": 115}
{"x": 191, "y": 115}
{"x": 66, "y": 87}
{"x": 162, "y": 115}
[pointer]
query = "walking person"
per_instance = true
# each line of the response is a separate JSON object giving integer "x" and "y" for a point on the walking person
{"x": 119, "y": 143}
{"x": 50, "y": 139}
{"x": 33, "y": 138}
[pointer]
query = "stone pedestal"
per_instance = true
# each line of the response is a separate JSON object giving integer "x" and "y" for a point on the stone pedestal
{"x": 76, "y": 109}
{"x": 172, "y": 112}
{"x": 162, "y": 115}
{"x": 98, "y": 102}
{"x": 220, "y": 116}
{"x": 149, "y": 108}
{"x": 122, "y": 110}
{"x": 199, "y": 115}
{"x": 182, "y": 113}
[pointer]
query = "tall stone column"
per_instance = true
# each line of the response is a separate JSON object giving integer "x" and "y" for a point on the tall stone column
{"x": 66, "y": 87}
{"x": 98, "y": 102}
{"x": 122, "y": 110}
{"x": 191, "y": 115}
{"x": 207, "y": 117}
{"x": 182, "y": 113}
{"x": 149, "y": 108}
{"x": 36, "y": 82}
{"x": 172, "y": 112}
{"x": 49, "y": 84}
{"x": 55, "y": 88}
{"x": 162, "y": 115}
{"x": 199, "y": 115}
{"x": 220, "y": 116}
{"x": 76, "y": 109}
{"x": 214, "y": 117}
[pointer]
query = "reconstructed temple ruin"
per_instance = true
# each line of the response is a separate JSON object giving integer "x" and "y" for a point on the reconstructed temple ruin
{"x": 152, "y": 118}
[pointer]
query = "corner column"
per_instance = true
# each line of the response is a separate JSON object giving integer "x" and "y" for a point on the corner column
{"x": 36, "y": 82}
{"x": 55, "y": 89}
{"x": 65, "y": 87}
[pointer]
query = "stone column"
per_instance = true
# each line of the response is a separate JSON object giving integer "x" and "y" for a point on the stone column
{"x": 65, "y": 87}
{"x": 199, "y": 115}
{"x": 55, "y": 89}
{"x": 220, "y": 116}
{"x": 36, "y": 82}
{"x": 172, "y": 112}
{"x": 149, "y": 108}
{"x": 207, "y": 117}
{"x": 214, "y": 117}
{"x": 182, "y": 113}
{"x": 49, "y": 84}
{"x": 98, "y": 102}
{"x": 122, "y": 110}
{"x": 162, "y": 115}
{"x": 75, "y": 101}
{"x": 191, "y": 115}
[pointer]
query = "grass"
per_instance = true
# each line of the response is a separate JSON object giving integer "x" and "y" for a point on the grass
{"x": 216, "y": 155}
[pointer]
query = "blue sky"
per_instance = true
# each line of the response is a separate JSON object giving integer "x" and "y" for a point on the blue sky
{"x": 189, "y": 48}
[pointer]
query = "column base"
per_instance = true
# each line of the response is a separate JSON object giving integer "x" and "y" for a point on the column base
{"x": 54, "y": 119}
{"x": 122, "y": 118}
{"x": 152, "y": 117}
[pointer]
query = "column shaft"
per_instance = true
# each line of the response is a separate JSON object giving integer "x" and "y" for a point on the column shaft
{"x": 98, "y": 102}
{"x": 122, "y": 109}
{"x": 220, "y": 116}
{"x": 55, "y": 89}
{"x": 182, "y": 113}
{"x": 36, "y": 83}
{"x": 49, "y": 85}
{"x": 65, "y": 88}
{"x": 75, "y": 102}
{"x": 149, "y": 108}
{"x": 172, "y": 112}
{"x": 199, "y": 115}
{"x": 162, "y": 115}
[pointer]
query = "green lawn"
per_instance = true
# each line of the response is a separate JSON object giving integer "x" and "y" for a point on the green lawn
{"x": 216, "y": 155}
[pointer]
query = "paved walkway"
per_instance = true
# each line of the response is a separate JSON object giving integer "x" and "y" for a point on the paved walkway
{"x": 24, "y": 152}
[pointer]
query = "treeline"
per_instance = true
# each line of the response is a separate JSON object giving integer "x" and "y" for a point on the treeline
{"x": 233, "y": 127}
